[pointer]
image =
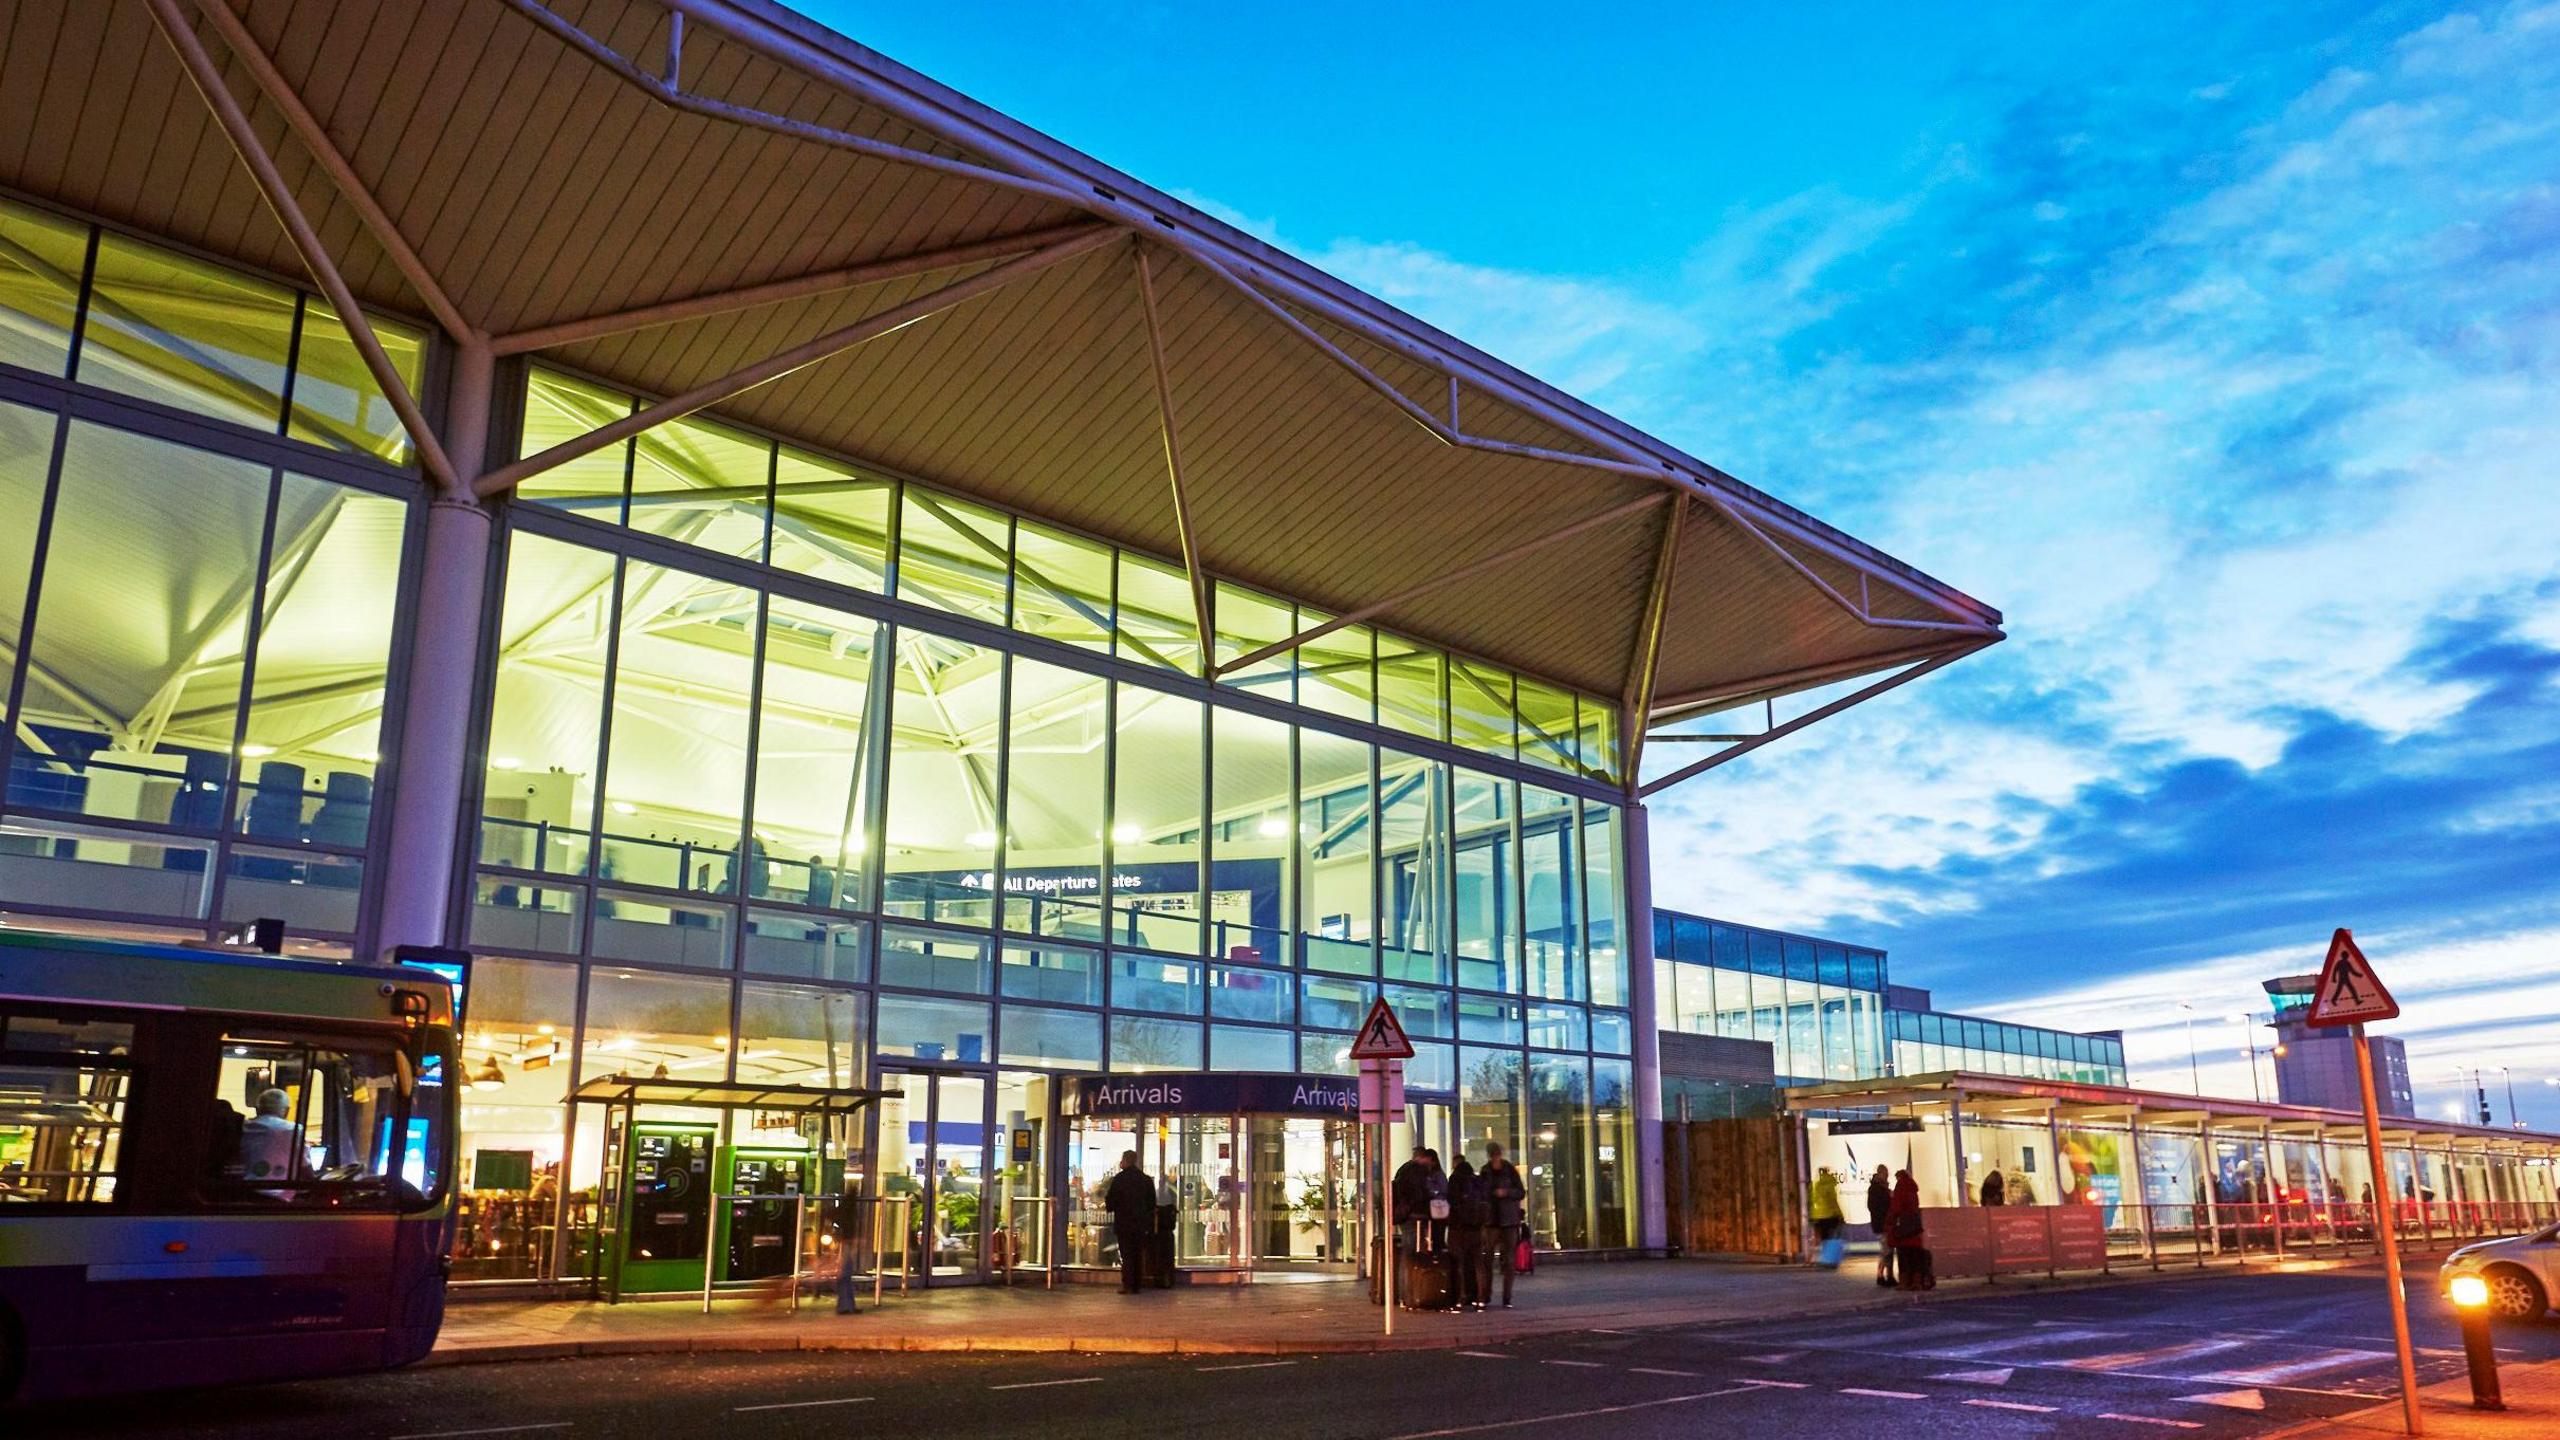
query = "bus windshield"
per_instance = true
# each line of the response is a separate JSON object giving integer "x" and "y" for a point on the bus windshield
{"x": 322, "y": 1120}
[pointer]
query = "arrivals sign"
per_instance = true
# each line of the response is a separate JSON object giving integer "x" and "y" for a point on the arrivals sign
{"x": 2349, "y": 993}
{"x": 1213, "y": 1093}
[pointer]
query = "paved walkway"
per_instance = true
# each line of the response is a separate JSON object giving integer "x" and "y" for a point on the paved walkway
{"x": 1267, "y": 1318}
{"x": 2532, "y": 1413}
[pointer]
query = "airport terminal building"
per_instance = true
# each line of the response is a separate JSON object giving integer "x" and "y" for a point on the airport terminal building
{"x": 825, "y": 591}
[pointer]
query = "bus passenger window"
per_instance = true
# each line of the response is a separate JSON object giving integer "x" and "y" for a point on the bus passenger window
{"x": 305, "y": 1122}
{"x": 63, "y": 1084}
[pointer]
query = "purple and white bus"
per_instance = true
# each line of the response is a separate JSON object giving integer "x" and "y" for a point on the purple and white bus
{"x": 217, "y": 1166}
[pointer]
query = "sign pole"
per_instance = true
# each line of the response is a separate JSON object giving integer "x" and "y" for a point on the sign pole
{"x": 1386, "y": 1226}
{"x": 1381, "y": 1048}
{"x": 2382, "y": 1229}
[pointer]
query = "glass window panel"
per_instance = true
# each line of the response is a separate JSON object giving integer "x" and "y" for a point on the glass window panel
{"x": 1484, "y": 1018}
{"x": 1604, "y": 904}
{"x": 1480, "y": 713}
{"x": 148, "y": 586}
{"x": 515, "y": 1066}
{"x": 1249, "y": 837}
{"x": 26, "y": 453}
{"x": 1489, "y": 1103}
{"x": 676, "y": 766}
{"x": 185, "y": 333}
{"x": 324, "y": 655}
{"x": 1156, "y": 807}
{"x": 1158, "y": 624}
{"x": 657, "y": 931}
{"x": 1246, "y": 1047}
{"x": 313, "y": 894}
{"x": 513, "y": 914}
{"x": 1866, "y": 970}
{"x": 645, "y": 1026}
{"x": 1334, "y": 670}
{"x": 1061, "y": 586}
{"x": 1054, "y": 802}
{"x": 1409, "y": 699}
{"x": 1143, "y": 982}
{"x": 1061, "y": 1039}
{"x": 831, "y": 522}
{"x": 1433, "y": 1067}
{"x": 40, "y": 263}
{"x": 1839, "y": 1041}
{"x": 546, "y": 717}
{"x": 702, "y": 484}
{"x": 1141, "y": 1043}
{"x": 1688, "y": 937}
{"x": 60, "y": 867}
{"x": 1413, "y": 835}
{"x": 952, "y": 555}
{"x": 933, "y": 960}
{"x": 1549, "y": 882}
{"x": 335, "y": 400}
{"x": 941, "y": 828}
{"x": 1732, "y": 948}
{"x": 1422, "y": 1012}
{"x": 823, "y": 704}
{"x": 1559, "y": 1027}
{"x": 1335, "y": 855}
{"x": 1248, "y": 620}
{"x": 1057, "y": 973}
{"x": 1830, "y": 964}
{"x": 1326, "y": 1003}
{"x": 1560, "y": 1168}
{"x": 1546, "y": 724}
{"x": 1767, "y": 955}
{"x": 1324, "y": 1054}
{"x": 1488, "y": 926}
{"x": 1612, "y": 1033}
{"x": 918, "y": 1029}
{"x": 560, "y": 408}
{"x": 809, "y": 946}
{"x": 1596, "y": 738}
{"x": 802, "y": 1035}
{"x": 1613, "y": 1169}
{"x": 1799, "y": 955}
{"x": 1243, "y": 994}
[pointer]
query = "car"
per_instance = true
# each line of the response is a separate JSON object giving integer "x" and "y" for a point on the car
{"x": 2521, "y": 1271}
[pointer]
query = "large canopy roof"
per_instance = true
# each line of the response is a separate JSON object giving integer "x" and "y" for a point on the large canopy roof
{"x": 530, "y": 176}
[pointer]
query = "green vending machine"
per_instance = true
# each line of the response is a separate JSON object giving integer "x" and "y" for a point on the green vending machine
{"x": 666, "y": 1232}
{"x": 756, "y": 1239}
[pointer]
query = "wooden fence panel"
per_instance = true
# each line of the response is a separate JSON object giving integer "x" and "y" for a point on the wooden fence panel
{"x": 1739, "y": 1195}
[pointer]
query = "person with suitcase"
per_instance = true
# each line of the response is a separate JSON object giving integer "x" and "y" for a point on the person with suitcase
{"x": 1509, "y": 1197}
{"x": 1908, "y": 1236}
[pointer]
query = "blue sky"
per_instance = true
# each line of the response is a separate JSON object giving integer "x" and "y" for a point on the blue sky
{"x": 2216, "y": 344}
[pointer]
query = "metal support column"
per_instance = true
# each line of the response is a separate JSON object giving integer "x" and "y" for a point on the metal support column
{"x": 1955, "y": 1141}
{"x": 1652, "y": 1233}
{"x": 429, "y": 781}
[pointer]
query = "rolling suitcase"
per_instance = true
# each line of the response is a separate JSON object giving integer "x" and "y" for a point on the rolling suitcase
{"x": 1426, "y": 1283}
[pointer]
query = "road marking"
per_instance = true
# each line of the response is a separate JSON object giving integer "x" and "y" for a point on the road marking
{"x": 2036, "y": 1341}
{"x": 1683, "y": 1374}
{"x": 800, "y": 1404}
{"x": 1041, "y": 1384}
{"x": 1484, "y": 1354}
{"x": 2125, "y": 1359}
{"x": 1781, "y": 1358}
{"x": 2012, "y": 1405}
{"x": 2229, "y": 1400}
{"x": 2277, "y": 1374}
{"x": 1884, "y": 1394}
{"x": 2153, "y": 1420}
{"x": 1999, "y": 1376}
{"x": 491, "y": 1430}
{"x": 1257, "y": 1365}
{"x": 1580, "y": 1364}
{"x": 1596, "y": 1330}
{"x": 1569, "y": 1415}
{"x": 1779, "y": 1384}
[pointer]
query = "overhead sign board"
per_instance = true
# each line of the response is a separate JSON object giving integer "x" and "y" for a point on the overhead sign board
{"x": 2350, "y": 993}
{"x": 1381, "y": 1037}
{"x": 1889, "y": 1125}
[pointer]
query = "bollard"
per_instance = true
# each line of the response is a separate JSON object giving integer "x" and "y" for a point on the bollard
{"x": 2470, "y": 1295}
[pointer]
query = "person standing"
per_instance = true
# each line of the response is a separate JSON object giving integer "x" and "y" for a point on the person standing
{"x": 1168, "y": 1215}
{"x": 1472, "y": 1240}
{"x": 1909, "y": 1236}
{"x": 846, "y": 1222}
{"x": 1410, "y": 1195}
{"x": 1880, "y": 1205}
{"x": 1995, "y": 1191}
{"x": 1131, "y": 1199}
{"x": 1508, "y": 1196}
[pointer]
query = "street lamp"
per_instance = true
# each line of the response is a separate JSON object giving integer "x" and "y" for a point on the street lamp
{"x": 2195, "y": 1077}
{"x": 2512, "y": 1123}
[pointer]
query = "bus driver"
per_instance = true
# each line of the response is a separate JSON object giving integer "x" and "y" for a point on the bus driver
{"x": 268, "y": 1138}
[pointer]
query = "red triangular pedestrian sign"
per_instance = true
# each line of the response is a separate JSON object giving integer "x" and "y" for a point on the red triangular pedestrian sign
{"x": 1380, "y": 1037}
{"x": 2350, "y": 993}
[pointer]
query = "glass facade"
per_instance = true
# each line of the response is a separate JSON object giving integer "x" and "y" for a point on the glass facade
{"x": 199, "y": 590}
{"x": 788, "y": 773}
{"x": 1925, "y": 1042}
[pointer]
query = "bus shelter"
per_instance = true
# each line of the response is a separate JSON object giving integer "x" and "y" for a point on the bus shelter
{"x": 713, "y": 1184}
{"x": 2171, "y": 1176}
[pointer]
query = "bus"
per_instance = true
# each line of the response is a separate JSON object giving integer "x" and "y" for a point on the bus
{"x": 218, "y": 1166}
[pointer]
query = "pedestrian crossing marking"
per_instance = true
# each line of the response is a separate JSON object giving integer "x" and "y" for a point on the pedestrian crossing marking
{"x": 2229, "y": 1400}
{"x": 1999, "y": 1376}
{"x": 2161, "y": 1355}
{"x": 2296, "y": 1369}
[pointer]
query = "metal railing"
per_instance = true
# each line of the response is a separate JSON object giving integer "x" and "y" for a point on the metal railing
{"x": 1023, "y": 1241}
{"x": 738, "y": 1201}
{"x": 2308, "y": 1229}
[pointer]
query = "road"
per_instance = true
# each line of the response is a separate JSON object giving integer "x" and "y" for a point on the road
{"x": 2208, "y": 1358}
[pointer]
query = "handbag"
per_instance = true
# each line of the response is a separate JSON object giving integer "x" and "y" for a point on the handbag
{"x": 1524, "y": 1257}
{"x": 1439, "y": 1208}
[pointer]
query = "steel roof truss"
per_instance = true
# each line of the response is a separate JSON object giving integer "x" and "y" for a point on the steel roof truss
{"x": 1820, "y": 712}
{"x": 1173, "y": 455}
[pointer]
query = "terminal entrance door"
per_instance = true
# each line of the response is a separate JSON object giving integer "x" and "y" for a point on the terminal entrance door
{"x": 1301, "y": 1188}
{"x": 933, "y": 1154}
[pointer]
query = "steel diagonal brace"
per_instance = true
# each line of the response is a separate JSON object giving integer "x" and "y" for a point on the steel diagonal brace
{"x": 796, "y": 358}
{"x": 1818, "y": 713}
{"x": 306, "y": 241}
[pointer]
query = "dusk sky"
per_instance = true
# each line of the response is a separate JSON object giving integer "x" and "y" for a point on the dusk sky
{"x": 2216, "y": 345}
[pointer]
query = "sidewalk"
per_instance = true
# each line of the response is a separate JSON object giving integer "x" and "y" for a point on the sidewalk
{"x": 2533, "y": 1408}
{"x": 1268, "y": 1318}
